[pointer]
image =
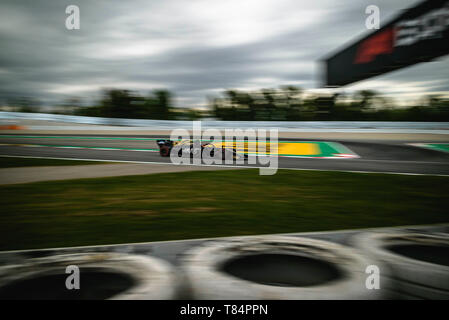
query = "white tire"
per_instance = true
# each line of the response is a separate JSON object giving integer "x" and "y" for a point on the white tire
{"x": 149, "y": 277}
{"x": 208, "y": 270}
{"x": 418, "y": 262}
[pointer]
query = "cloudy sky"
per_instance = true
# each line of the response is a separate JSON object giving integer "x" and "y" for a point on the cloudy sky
{"x": 195, "y": 48}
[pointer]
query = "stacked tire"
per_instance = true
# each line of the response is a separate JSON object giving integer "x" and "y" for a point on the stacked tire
{"x": 278, "y": 267}
{"x": 102, "y": 275}
{"x": 419, "y": 262}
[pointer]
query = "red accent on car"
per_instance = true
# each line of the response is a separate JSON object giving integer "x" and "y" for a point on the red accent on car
{"x": 164, "y": 151}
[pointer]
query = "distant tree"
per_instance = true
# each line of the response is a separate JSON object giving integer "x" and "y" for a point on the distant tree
{"x": 117, "y": 103}
{"x": 366, "y": 98}
{"x": 24, "y": 104}
{"x": 162, "y": 104}
{"x": 71, "y": 106}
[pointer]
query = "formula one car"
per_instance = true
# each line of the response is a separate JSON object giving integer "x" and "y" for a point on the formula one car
{"x": 188, "y": 147}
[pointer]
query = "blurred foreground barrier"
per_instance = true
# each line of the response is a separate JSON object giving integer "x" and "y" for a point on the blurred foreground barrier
{"x": 419, "y": 262}
{"x": 101, "y": 276}
{"x": 279, "y": 267}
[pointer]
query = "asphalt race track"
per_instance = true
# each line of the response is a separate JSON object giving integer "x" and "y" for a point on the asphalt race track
{"x": 374, "y": 156}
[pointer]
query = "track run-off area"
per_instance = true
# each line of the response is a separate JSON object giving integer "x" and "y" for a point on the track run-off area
{"x": 408, "y": 157}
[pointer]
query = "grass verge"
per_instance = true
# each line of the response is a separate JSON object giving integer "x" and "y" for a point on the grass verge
{"x": 211, "y": 204}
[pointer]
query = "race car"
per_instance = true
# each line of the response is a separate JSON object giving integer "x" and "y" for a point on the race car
{"x": 188, "y": 147}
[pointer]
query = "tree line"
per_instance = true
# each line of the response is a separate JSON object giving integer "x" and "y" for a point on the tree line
{"x": 286, "y": 103}
{"x": 293, "y": 104}
{"x": 118, "y": 103}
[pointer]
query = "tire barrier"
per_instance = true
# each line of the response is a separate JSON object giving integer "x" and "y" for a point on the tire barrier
{"x": 277, "y": 267}
{"x": 104, "y": 275}
{"x": 419, "y": 262}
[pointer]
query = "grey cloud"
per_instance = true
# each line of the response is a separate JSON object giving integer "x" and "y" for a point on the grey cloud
{"x": 39, "y": 55}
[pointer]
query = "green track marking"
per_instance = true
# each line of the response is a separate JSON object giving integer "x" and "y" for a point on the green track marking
{"x": 439, "y": 146}
{"x": 326, "y": 149}
{"x": 76, "y": 137}
{"x": 114, "y": 138}
{"x": 124, "y": 138}
{"x": 88, "y": 147}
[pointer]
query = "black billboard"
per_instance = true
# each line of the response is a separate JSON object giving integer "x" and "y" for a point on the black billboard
{"x": 419, "y": 34}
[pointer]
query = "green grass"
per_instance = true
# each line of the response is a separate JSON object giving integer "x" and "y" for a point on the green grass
{"x": 211, "y": 204}
{"x": 13, "y": 162}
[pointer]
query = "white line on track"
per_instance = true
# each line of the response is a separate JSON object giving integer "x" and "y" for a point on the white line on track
{"x": 227, "y": 166}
